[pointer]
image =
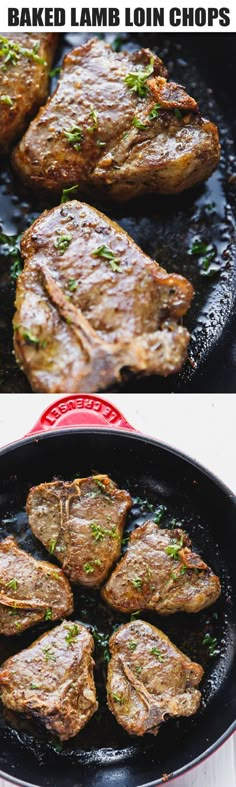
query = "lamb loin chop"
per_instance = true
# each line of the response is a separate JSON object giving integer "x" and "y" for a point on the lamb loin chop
{"x": 81, "y": 523}
{"x": 30, "y": 590}
{"x": 115, "y": 125}
{"x": 52, "y": 680}
{"x": 149, "y": 679}
{"x": 90, "y": 305}
{"x": 159, "y": 571}
{"x": 25, "y": 62}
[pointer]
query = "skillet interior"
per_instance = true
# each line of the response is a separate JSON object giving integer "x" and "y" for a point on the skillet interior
{"x": 103, "y": 754}
{"x": 164, "y": 227}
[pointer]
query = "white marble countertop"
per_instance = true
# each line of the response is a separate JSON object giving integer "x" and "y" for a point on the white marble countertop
{"x": 204, "y": 427}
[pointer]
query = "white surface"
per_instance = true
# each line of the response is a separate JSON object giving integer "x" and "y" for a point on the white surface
{"x": 204, "y": 427}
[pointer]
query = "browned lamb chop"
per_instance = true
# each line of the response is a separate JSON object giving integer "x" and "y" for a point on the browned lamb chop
{"x": 52, "y": 680}
{"x": 149, "y": 679}
{"x": 90, "y": 305}
{"x": 159, "y": 571}
{"x": 30, "y": 590}
{"x": 116, "y": 126}
{"x": 81, "y": 523}
{"x": 25, "y": 62}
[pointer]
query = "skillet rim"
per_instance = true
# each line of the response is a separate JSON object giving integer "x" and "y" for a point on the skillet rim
{"x": 133, "y": 435}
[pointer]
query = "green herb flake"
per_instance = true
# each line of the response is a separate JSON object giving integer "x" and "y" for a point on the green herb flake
{"x": 132, "y": 645}
{"x": 48, "y": 654}
{"x": 67, "y": 194}
{"x": 159, "y": 515}
{"x": 174, "y": 549}
{"x": 117, "y": 697}
{"x": 11, "y": 52}
{"x": 34, "y": 686}
{"x": 89, "y": 567}
{"x": 137, "y": 582}
{"x": 99, "y": 532}
{"x": 74, "y": 136}
{"x": 72, "y": 285}
{"x": 55, "y": 72}
{"x": 52, "y": 545}
{"x": 135, "y": 615}
{"x": 48, "y": 614}
{"x": 137, "y": 669}
{"x": 178, "y": 113}
{"x": 107, "y": 254}
{"x": 100, "y": 144}
{"x": 94, "y": 118}
{"x": 136, "y": 80}
{"x": 13, "y": 584}
{"x": 62, "y": 242}
{"x": 156, "y": 652}
{"x": 212, "y": 645}
{"x": 154, "y": 112}
{"x": 73, "y": 632}
{"x": 7, "y": 100}
{"x": 180, "y": 573}
{"x": 138, "y": 124}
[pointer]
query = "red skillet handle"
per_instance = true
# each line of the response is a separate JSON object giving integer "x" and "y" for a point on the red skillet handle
{"x": 82, "y": 410}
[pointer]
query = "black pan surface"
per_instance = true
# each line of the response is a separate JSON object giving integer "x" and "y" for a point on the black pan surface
{"x": 103, "y": 755}
{"x": 164, "y": 227}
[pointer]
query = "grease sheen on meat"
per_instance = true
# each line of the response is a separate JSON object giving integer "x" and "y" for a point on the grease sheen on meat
{"x": 123, "y": 143}
{"x": 81, "y": 523}
{"x": 83, "y": 318}
{"x": 23, "y": 81}
{"x": 30, "y": 590}
{"x": 159, "y": 571}
{"x": 52, "y": 680}
{"x": 149, "y": 679}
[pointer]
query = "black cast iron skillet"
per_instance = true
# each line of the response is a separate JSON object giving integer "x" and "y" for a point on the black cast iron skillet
{"x": 165, "y": 227}
{"x": 103, "y": 755}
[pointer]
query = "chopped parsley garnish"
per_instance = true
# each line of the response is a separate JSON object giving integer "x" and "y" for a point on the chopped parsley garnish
{"x": 68, "y": 193}
{"x": 74, "y": 136}
{"x": 62, "y": 242}
{"x": 156, "y": 652}
{"x": 174, "y": 548}
{"x": 73, "y": 632}
{"x": 212, "y": 644}
{"x": 132, "y": 645}
{"x": 12, "y": 584}
{"x": 181, "y": 572}
{"x": 99, "y": 532}
{"x": 89, "y": 567}
{"x": 159, "y": 515}
{"x": 11, "y": 52}
{"x": 135, "y": 615}
{"x": 138, "y": 669}
{"x": 100, "y": 144}
{"x": 7, "y": 100}
{"x": 94, "y": 118}
{"x": 137, "y": 582}
{"x": 107, "y": 254}
{"x": 34, "y": 686}
{"x": 116, "y": 697}
{"x": 52, "y": 545}
{"x": 72, "y": 284}
{"x": 136, "y": 80}
{"x": 48, "y": 654}
{"x": 206, "y": 254}
{"x": 154, "y": 112}
{"x": 138, "y": 124}
{"x": 30, "y": 339}
{"x": 48, "y": 614}
{"x": 55, "y": 71}
{"x": 102, "y": 641}
{"x": 10, "y": 247}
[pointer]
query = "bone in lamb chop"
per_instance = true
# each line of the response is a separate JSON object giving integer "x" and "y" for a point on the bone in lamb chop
{"x": 25, "y": 62}
{"x": 149, "y": 679}
{"x": 81, "y": 523}
{"x": 90, "y": 305}
{"x": 30, "y": 590}
{"x": 52, "y": 680}
{"x": 116, "y": 126}
{"x": 159, "y": 571}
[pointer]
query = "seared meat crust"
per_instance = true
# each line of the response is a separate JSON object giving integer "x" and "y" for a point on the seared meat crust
{"x": 30, "y": 590}
{"x": 52, "y": 680}
{"x": 81, "y": 523}
{"x": 149, "y": 679}
{"x": 159, "y": 571}
{"x": 23, "y": 81}
{"x": 81, "y": 317}
{"x": 100, "y": 131}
